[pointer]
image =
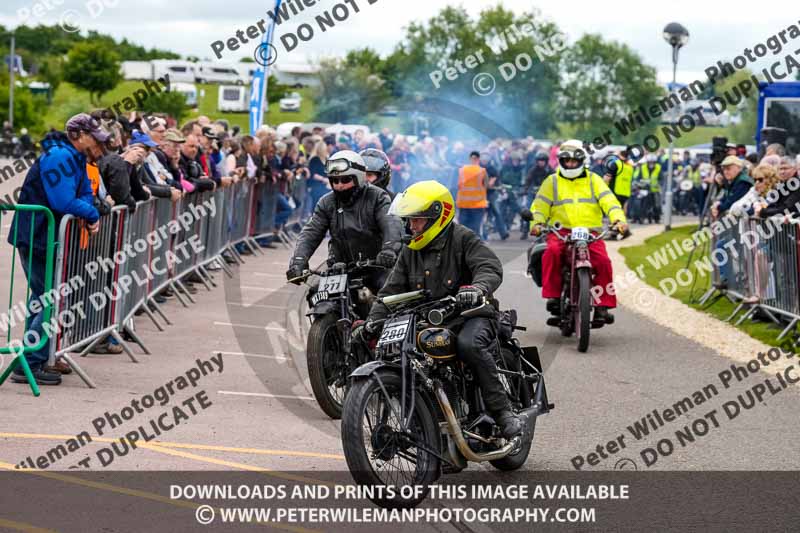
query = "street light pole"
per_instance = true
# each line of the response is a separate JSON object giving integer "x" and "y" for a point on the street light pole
{"x": 677, "y": 36}
{"x": 668, "y": 214}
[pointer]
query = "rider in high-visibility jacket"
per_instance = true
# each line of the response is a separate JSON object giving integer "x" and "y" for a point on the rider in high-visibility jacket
{"x": 651, "y": 172}
{"x": 576, "y": 197}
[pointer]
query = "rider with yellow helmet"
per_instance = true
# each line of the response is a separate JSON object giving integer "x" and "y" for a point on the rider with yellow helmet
{"x": 447, "y": 258}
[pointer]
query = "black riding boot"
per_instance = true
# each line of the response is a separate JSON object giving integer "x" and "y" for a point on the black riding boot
{"x": 477, "y": 346}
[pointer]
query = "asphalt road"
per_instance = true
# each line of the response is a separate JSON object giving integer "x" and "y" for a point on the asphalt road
{"x": 263, "y": 414}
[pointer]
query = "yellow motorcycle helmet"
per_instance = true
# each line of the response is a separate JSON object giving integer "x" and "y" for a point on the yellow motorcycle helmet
{"x": 425, "y": 199}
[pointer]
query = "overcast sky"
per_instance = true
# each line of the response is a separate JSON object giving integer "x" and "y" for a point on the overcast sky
{"x": 189, "y": 26}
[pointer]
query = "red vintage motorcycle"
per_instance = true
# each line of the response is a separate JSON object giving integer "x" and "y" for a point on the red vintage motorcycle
{"x": 575, "y": 304}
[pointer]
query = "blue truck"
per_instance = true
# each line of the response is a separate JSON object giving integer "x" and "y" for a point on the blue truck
{"x": 779, "y": 107}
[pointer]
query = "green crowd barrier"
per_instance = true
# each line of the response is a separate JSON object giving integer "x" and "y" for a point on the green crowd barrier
{"x": 20, "y": 350}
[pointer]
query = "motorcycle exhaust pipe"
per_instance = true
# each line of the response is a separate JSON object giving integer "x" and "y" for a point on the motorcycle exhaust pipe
{"x": 458, "y": 436}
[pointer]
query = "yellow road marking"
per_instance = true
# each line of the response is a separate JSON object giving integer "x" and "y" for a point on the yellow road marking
{"x": 208, "y": 447}
{"x": 257, "y": 451}
{"x": 242, "y": 466}
{"x": 19, "y": 526}
{"x": 131, "y": 492}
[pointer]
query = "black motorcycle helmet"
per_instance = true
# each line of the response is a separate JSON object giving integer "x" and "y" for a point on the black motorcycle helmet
{"x": 541, "y": 156}
{"x": 378, "y": 163}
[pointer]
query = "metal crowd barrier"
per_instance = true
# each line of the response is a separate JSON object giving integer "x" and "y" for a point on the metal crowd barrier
{"x": 119, "y": 271}
{"x": 46, "y": 306}
{"x": 762, "y": 275}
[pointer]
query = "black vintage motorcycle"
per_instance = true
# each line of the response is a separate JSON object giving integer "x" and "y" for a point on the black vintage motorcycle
{"x": 416, "y": 411}
{"x": 644, "y": 205}
{"x": 575, "y": 304}
{"x": 336, "y": 300}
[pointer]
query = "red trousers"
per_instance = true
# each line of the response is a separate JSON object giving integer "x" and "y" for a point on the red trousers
{"x": 601, "y": 266}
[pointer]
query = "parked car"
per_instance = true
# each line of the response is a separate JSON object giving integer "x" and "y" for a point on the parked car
{"x": 291, "y": 102}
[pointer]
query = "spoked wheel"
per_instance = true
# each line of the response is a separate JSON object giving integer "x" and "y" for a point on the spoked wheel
{"x": 377, "y": 451}
{"x": 327, "y": 367}
{"x": 583, "y": 320}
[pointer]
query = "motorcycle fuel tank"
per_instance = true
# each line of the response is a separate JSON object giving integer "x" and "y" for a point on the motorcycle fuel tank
{"x": 439, "y": 343}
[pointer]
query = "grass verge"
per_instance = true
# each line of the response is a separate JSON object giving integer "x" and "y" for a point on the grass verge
{"x": 68, "y": 100}
{"x": 643, "y": 254}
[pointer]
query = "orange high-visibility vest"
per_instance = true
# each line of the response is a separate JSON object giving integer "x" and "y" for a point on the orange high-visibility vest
{"x": 471, "y": 187}
{"x": 94, "y": 177}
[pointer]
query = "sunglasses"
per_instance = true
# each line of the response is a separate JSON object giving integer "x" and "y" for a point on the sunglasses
{"x": 757, "y": 180}
{"x": 344, "y": 180}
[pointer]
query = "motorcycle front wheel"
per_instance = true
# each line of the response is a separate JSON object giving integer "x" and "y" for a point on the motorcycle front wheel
{"x": 378, "y": 452}
{"x": 327, "y": 368}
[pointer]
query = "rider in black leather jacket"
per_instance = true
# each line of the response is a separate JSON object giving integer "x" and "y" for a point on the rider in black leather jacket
{"x": 355, "y": 214}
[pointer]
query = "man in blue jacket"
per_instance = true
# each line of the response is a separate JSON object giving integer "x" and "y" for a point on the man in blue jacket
{"x": 736, "y": 184}
{"x": 58, "y": 181}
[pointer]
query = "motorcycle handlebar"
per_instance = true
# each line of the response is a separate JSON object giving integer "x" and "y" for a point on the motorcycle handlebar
{"x": 611, "y": 230}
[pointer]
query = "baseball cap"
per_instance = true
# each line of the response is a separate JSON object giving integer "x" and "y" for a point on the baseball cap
{"x": 209, "y": 132}
{"x": 174, "y": 136}
{"x": 732, "y": 160}
{"x": 83, "y": 122}
{"x": 142, "y": 138}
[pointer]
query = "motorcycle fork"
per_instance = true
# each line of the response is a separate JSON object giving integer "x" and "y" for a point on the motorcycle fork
{"x": 344, "y": 324}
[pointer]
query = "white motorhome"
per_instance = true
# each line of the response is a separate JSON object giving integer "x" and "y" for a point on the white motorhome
{"x": 189, "y": 90}
{"x": 179, "y": 71}
{"x": 137, "y": 70}
{"x": 233, "y": 98}
{"x": 208, "y": 72}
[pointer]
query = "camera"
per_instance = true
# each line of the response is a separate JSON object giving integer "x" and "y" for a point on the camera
{"x": 719, "y": 149}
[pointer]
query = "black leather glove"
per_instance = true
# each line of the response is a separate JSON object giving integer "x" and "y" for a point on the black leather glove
{"x": 364, "y": 332}
{"x": 296, "y": 269}
{"x": 469, "y": 296}
{"x": 386, "y": 258}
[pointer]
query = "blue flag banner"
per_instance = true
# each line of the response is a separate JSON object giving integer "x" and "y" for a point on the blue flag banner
{"x": 258, "y": 87}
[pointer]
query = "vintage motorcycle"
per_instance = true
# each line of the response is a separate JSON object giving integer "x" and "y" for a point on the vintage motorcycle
{"x": 575, "y": 305}
{"x": 336, "y": 300}
{"x": 644, "y": 204}
{"x": 416, "y": 411}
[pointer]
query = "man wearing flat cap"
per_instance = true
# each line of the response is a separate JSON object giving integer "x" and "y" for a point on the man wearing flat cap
{"x": 58, "y": 181}
{"x": 736, "y": 184}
